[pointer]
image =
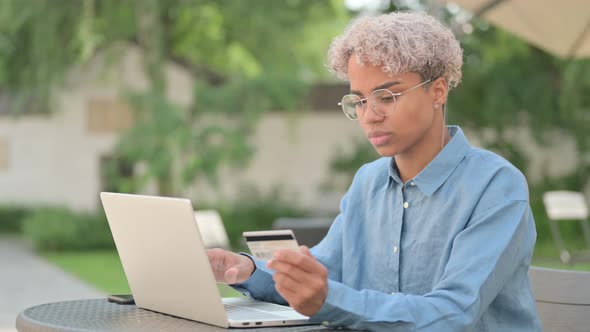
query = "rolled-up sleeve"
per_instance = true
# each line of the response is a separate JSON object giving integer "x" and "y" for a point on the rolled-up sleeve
{"x": 260, "y": 285}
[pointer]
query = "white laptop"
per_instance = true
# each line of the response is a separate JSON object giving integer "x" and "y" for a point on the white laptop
{"x": 167, "y": 268}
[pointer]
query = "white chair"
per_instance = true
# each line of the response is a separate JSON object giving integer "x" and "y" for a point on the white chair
{"x": 563, "y": 299}
{"x": 566, "y": 205}
{"x": 213, "y": 232}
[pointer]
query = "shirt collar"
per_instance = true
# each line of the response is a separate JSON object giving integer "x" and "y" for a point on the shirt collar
{"x": 394, "y": 172}
{"x": 441, "y": 167}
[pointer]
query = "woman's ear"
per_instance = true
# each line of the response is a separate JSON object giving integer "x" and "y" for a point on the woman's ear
{"x": 440, "y": 89}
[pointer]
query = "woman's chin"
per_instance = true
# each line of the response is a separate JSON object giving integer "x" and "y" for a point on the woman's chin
{"x": 386, "y": 150}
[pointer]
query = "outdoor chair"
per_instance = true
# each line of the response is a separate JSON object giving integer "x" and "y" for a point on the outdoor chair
{"x": 563, "y": 299}
{"x": 566, "y": 205}
{"x": 212, "y": 229}
{"x": 308, "y": 231}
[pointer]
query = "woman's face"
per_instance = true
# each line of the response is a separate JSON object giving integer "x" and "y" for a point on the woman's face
{"x": 414, "y": 115}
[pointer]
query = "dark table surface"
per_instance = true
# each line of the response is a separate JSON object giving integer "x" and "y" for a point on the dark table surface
{"x": 101, "y": 315}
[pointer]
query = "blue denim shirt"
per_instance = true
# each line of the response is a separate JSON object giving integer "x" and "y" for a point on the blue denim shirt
{"x": 448, "y": 250}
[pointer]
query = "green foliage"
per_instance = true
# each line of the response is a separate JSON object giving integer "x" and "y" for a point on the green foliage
{"x": 344, "y": 165}
{"x": 58, "y": 229}
{"x": 239, "y": 76}
{"x": 255, "y": 210}
{"x": 30, "y": 60}
{"x": 179, "y": 145}
{"x": 249, "y": 39}
{"x": 508, "y": 83}
{"x": 247, "y": 58}
{"x": 11, "y": 218}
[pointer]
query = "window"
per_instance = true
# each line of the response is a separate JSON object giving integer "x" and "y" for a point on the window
{"x": 108, "y": 116}
{"x": 4, "y": 154}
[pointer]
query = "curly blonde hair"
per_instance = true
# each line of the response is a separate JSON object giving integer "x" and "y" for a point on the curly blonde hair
{"x": 400, "y": 42}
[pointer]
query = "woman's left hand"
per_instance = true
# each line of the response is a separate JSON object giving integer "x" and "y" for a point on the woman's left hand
{"x": 300, "y": 279}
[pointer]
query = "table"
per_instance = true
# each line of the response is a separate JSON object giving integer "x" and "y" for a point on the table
{"x": 101, "y": 315}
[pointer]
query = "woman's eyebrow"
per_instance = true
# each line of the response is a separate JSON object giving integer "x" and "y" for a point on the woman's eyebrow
{"x": 382, "y": 86}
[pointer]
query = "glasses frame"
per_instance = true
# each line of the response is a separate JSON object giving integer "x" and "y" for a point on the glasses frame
{"x": 365, "y": 101}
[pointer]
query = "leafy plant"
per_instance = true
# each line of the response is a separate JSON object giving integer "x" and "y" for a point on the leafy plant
{"x": 343, "y": 165}
{"x": 11, "y": 218}
{"x": 246, "y": 57}
{"x": 59, "y": 229}
{"x": 256, "y": 210}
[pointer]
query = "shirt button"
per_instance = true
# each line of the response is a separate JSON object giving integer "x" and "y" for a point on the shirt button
{"x": 406, "y": 204}
{"x": 412, "y": 183}
{"x": 395, "y": 249}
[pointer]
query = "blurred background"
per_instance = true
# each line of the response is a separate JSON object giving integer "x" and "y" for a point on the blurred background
{"x": 230, "y": 104}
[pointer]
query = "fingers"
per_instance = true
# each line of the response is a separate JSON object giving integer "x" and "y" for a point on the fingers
{"x": 292, "y": 271}
{"x": 305, "y": 250}
{"x": 296, "y": 292}
{"x": 286, "y": 293}
{"x": 215, "y": 257}
{"x": 286, "y": 283}
{"x": 286, "y": 286}
{"x": 302, "y": 268}
{"x": 231, "y": 275}
{"x": 246, "y": 268}
{"x": 228, "y": 267}
{"x": 303, "y": 260}
{"x": 304, "y": 285}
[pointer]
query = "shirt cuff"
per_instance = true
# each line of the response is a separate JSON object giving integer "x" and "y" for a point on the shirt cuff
{"x": 330, "y": 314}
{"x": 257, "y": 279}
{"x": 252, "y": 259}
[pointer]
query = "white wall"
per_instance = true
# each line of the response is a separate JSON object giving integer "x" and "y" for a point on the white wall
{"x": 297, "y": 155}
{"x": 293, "y": 153}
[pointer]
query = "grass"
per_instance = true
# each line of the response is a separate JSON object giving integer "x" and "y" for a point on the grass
{"x": 103, "y": 270}
{"x": 547, "y": 255}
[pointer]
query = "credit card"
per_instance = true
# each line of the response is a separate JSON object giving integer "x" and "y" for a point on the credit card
{"x": 263, "y": 244}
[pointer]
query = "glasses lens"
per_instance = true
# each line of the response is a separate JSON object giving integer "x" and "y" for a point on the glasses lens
{"x": 383, "y": 101}
{"x": 350, "y": 103}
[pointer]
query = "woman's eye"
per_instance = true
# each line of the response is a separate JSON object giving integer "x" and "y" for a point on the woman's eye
{"x": 359, "y": 104}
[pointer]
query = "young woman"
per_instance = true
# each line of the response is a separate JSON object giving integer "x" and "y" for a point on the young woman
{"x": 434, "y": 236}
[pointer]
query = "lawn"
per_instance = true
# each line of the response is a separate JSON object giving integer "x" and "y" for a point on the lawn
{"x": 103, "y": 270}
{"x": 547, "y": 255}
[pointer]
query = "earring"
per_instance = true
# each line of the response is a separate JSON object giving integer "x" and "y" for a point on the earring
{"x": 435, "y": 106}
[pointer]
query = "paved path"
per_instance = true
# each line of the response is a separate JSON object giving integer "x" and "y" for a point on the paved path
{"x": 27, "y": 280}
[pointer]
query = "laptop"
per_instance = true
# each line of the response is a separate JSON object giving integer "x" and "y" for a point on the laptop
{"x": 167, "y": 268}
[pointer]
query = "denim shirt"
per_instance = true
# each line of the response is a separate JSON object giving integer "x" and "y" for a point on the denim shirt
{"x": 448, "y": 250}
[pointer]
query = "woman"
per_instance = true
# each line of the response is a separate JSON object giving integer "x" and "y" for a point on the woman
{"x": 435, "y": 236}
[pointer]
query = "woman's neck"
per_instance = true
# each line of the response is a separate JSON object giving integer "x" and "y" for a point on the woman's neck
{"x": 415, "y": 159}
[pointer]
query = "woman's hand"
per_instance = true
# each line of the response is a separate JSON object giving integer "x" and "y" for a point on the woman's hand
{"x": 300, "y": 279}
{"x": 229, "y": 267}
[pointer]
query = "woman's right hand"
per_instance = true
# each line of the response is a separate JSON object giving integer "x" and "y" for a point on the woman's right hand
{"x": 228, "y": 267}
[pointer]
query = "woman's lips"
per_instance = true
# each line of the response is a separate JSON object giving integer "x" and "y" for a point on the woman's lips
{"x": 379, "y": 138}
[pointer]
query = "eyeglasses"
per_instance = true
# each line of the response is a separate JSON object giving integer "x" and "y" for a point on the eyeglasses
{"x": 382, "y": 102}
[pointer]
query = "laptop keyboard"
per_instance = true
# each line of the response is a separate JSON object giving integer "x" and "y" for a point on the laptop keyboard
{"x": 235, "y": 312}
{"x": 267, "y": 307}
